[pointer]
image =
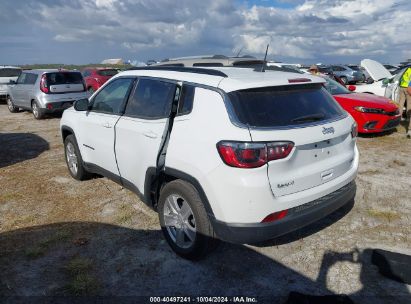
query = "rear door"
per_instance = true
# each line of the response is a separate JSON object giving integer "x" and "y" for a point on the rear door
{"x": 97, "y": 140}
{"x": 139, "y": 132}
{"x": 310, "y": 118}
{"x": 17, "y": 90}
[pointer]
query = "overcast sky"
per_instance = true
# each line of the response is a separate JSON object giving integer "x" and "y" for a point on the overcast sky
{"x": 306, "y": 31}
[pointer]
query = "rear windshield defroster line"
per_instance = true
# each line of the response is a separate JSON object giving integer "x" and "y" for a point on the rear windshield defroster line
{"x": 284, "y": 106}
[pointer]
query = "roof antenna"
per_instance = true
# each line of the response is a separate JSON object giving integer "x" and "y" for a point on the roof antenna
{"x": 265, "y": 59}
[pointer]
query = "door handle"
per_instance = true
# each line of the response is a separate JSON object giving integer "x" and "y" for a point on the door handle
{"x": 107, "y": 125}
{"x": 150, "y": 134}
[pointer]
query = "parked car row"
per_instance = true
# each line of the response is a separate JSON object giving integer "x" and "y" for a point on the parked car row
{"x": 51, "y": 91}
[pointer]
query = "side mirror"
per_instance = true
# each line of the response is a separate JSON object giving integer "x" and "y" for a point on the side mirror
{"x": 386, "y": 81}
{"x": 12, "y": 81}
{"x": 81, "y": 105}
{"x": 351, "y": 88}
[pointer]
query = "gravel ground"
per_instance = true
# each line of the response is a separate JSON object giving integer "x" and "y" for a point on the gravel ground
{"x": 62, "y": 237}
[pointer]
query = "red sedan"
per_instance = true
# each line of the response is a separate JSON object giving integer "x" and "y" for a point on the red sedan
{"x": 372, "y": 113}
{"x": 96, "y": 77}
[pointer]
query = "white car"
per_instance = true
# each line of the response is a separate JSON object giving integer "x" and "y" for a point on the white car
{"x": 224, "y": 153}
{"x": 7, "y": 74}
{"x": 384, "y": 83}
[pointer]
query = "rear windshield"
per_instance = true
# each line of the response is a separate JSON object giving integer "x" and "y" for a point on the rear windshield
{"x": 64, "y": 78}
{"x": 10, "y": 72}
{"x": 111, "y": 72}
{"x": 284, "y": 106}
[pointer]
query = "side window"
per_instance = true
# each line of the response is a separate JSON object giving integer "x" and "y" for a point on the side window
{"x": 22, "y": 78}
{"x": 30, "y": 78}
{"x": 151, "y": 99}
{"x": 86, "y": 73}
{"x": 112, "y": 97}
{"x": 186, "y": 100}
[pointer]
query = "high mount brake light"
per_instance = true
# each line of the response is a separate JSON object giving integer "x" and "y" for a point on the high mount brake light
{"x": 43, "y": 84}
{"x": 252, "y": 155}
{"x": 297, "y": 80}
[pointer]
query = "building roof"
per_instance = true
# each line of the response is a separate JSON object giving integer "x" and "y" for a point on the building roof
{"x": 234, "y": 79}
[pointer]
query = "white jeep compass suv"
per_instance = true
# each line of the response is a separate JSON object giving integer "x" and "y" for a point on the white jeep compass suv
{"x": 224, "y": 153}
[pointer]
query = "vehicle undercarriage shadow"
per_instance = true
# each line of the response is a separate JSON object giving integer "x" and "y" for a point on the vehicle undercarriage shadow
{"x": 18, "y": 147}
{"x": 119, "y": 265}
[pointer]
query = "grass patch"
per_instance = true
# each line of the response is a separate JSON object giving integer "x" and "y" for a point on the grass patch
{"x": 83, "y": 284}
{"x": 34, "y": 252}
{"x": 125, "y": 214}
{"x": 43, "y": 246}
{"x": 81, "y": 281}
{"x": 79, "y": 266}
{"x": 383, "y": 214}
{"x": 370, "y": 172}
{"x": 11, "y": 196}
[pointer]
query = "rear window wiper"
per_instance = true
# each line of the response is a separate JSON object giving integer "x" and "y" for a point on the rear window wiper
{"x": 311, "y": 117}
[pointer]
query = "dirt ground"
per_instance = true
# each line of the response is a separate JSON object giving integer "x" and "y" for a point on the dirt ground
{"x": 62, "y": 237}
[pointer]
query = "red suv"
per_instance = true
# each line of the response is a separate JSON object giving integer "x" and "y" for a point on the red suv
{"x": 96, "y": 77}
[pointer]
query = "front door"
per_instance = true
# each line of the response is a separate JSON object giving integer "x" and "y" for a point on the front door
{"x": 97, "y": 142}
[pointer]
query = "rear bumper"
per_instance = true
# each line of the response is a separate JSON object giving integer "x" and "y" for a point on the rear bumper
{"x": 296, "y": 218}
{"x": 57, "y": 107}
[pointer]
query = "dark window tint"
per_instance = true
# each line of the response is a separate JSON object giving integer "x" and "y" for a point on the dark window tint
{"x": 64, "y": 78}
{"x": 207, "y": 64}
{"x": 10, "y": 72}
{"x": 335, "y": 88}
{"x": 107, "y": 72}
{"x": 86, "y": 73}
{"x": 186, "y": 100}
{"x": 338, "y": 68}
{"x": 151, "y": 99}
{"x": 112, "y": 97}
{"x": 284, "y": 106}
{"x": 30, "y": 79}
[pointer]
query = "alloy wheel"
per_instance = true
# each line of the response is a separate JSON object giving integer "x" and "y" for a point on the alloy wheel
{"x": 71, "y": 157}
{"x": 179, "y": 221}
{"x": 35, "y": 109}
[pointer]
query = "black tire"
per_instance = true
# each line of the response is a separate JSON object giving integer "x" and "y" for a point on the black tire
{"x": 344, "y": 79}
{"x": 81, "y": 173}
{"x": 38, "y": 112}
{"x": 205, "y": 240}
{"x": 12, "y": 108}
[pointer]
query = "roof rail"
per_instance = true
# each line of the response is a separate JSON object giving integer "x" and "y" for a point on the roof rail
{"x": 182, "y": 69}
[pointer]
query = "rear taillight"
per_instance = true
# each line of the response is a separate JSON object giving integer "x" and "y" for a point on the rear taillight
{"x": 252, "y": 155}
{"x": 43, "y": 84}
{"x": 354, "y": 130}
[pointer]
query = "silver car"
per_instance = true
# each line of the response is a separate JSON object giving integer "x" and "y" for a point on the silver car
{"x": 7, "y": 73}
{"x": 346, "y": 74}
{"x": 46, "y": 91}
